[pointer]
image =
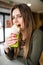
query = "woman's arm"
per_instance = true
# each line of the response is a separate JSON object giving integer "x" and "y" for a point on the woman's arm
{"x": 36, "y": 48}
{"x": 7, "y": 49}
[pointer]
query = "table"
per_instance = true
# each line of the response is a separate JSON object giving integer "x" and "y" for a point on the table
{"x": 5, "y": 61}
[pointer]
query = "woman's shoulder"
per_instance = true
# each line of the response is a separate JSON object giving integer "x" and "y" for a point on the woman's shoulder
{"x": 37, "y": 32}
{"x": 37, "y": 36}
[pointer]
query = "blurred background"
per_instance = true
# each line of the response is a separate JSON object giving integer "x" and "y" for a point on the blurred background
{"x": 5, "y": 8}
{"x": 5, "y": 23}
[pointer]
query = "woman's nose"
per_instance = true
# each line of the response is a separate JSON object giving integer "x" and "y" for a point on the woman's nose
{"x": 16, "y": 20}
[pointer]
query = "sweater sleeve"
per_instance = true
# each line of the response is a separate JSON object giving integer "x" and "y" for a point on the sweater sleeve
{"x": 36, "y": 48}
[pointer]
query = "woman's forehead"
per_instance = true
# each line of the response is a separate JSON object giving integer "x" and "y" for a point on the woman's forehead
{"x": 16, "y": 11}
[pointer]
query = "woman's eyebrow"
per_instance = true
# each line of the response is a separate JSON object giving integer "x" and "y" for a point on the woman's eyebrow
{"x": 18, "y": 14}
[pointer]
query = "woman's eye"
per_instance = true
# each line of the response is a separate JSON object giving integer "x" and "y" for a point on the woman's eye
{"x": 20, "y": 16}
{"x": 13, "y": 18}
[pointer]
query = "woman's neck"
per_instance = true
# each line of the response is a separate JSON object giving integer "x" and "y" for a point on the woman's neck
{"x": 23, "y": 35}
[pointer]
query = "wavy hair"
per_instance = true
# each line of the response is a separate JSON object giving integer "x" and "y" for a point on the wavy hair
{"x": 29, "y": 24}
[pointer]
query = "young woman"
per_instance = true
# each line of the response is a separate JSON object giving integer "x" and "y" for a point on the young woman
{"x": 31, "y": 40}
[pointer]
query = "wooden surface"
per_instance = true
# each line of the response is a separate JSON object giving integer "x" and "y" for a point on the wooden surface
{"x": 41, "y": 59}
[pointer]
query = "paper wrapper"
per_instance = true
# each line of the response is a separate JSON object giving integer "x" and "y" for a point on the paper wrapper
{"x": 15, "y": 31}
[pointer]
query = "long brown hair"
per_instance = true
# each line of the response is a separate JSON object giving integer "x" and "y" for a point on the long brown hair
{"x": 29, "y": 23}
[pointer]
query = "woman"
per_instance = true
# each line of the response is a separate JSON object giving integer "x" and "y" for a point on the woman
{"x": 31, "y": 41}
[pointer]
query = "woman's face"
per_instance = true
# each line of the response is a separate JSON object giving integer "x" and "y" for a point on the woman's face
{"x": 18, "y": 18}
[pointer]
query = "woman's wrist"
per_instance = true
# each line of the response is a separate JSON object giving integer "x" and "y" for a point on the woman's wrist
{"x": 6, "y": 51}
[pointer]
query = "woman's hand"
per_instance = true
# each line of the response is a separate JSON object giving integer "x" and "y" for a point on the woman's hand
{"x": 12, "y": 39}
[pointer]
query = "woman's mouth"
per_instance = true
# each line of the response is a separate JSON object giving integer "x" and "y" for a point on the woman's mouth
{"x": 18, "y": 25}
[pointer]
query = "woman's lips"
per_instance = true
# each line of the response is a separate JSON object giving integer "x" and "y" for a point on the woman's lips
{"x": 18, "y": 25}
